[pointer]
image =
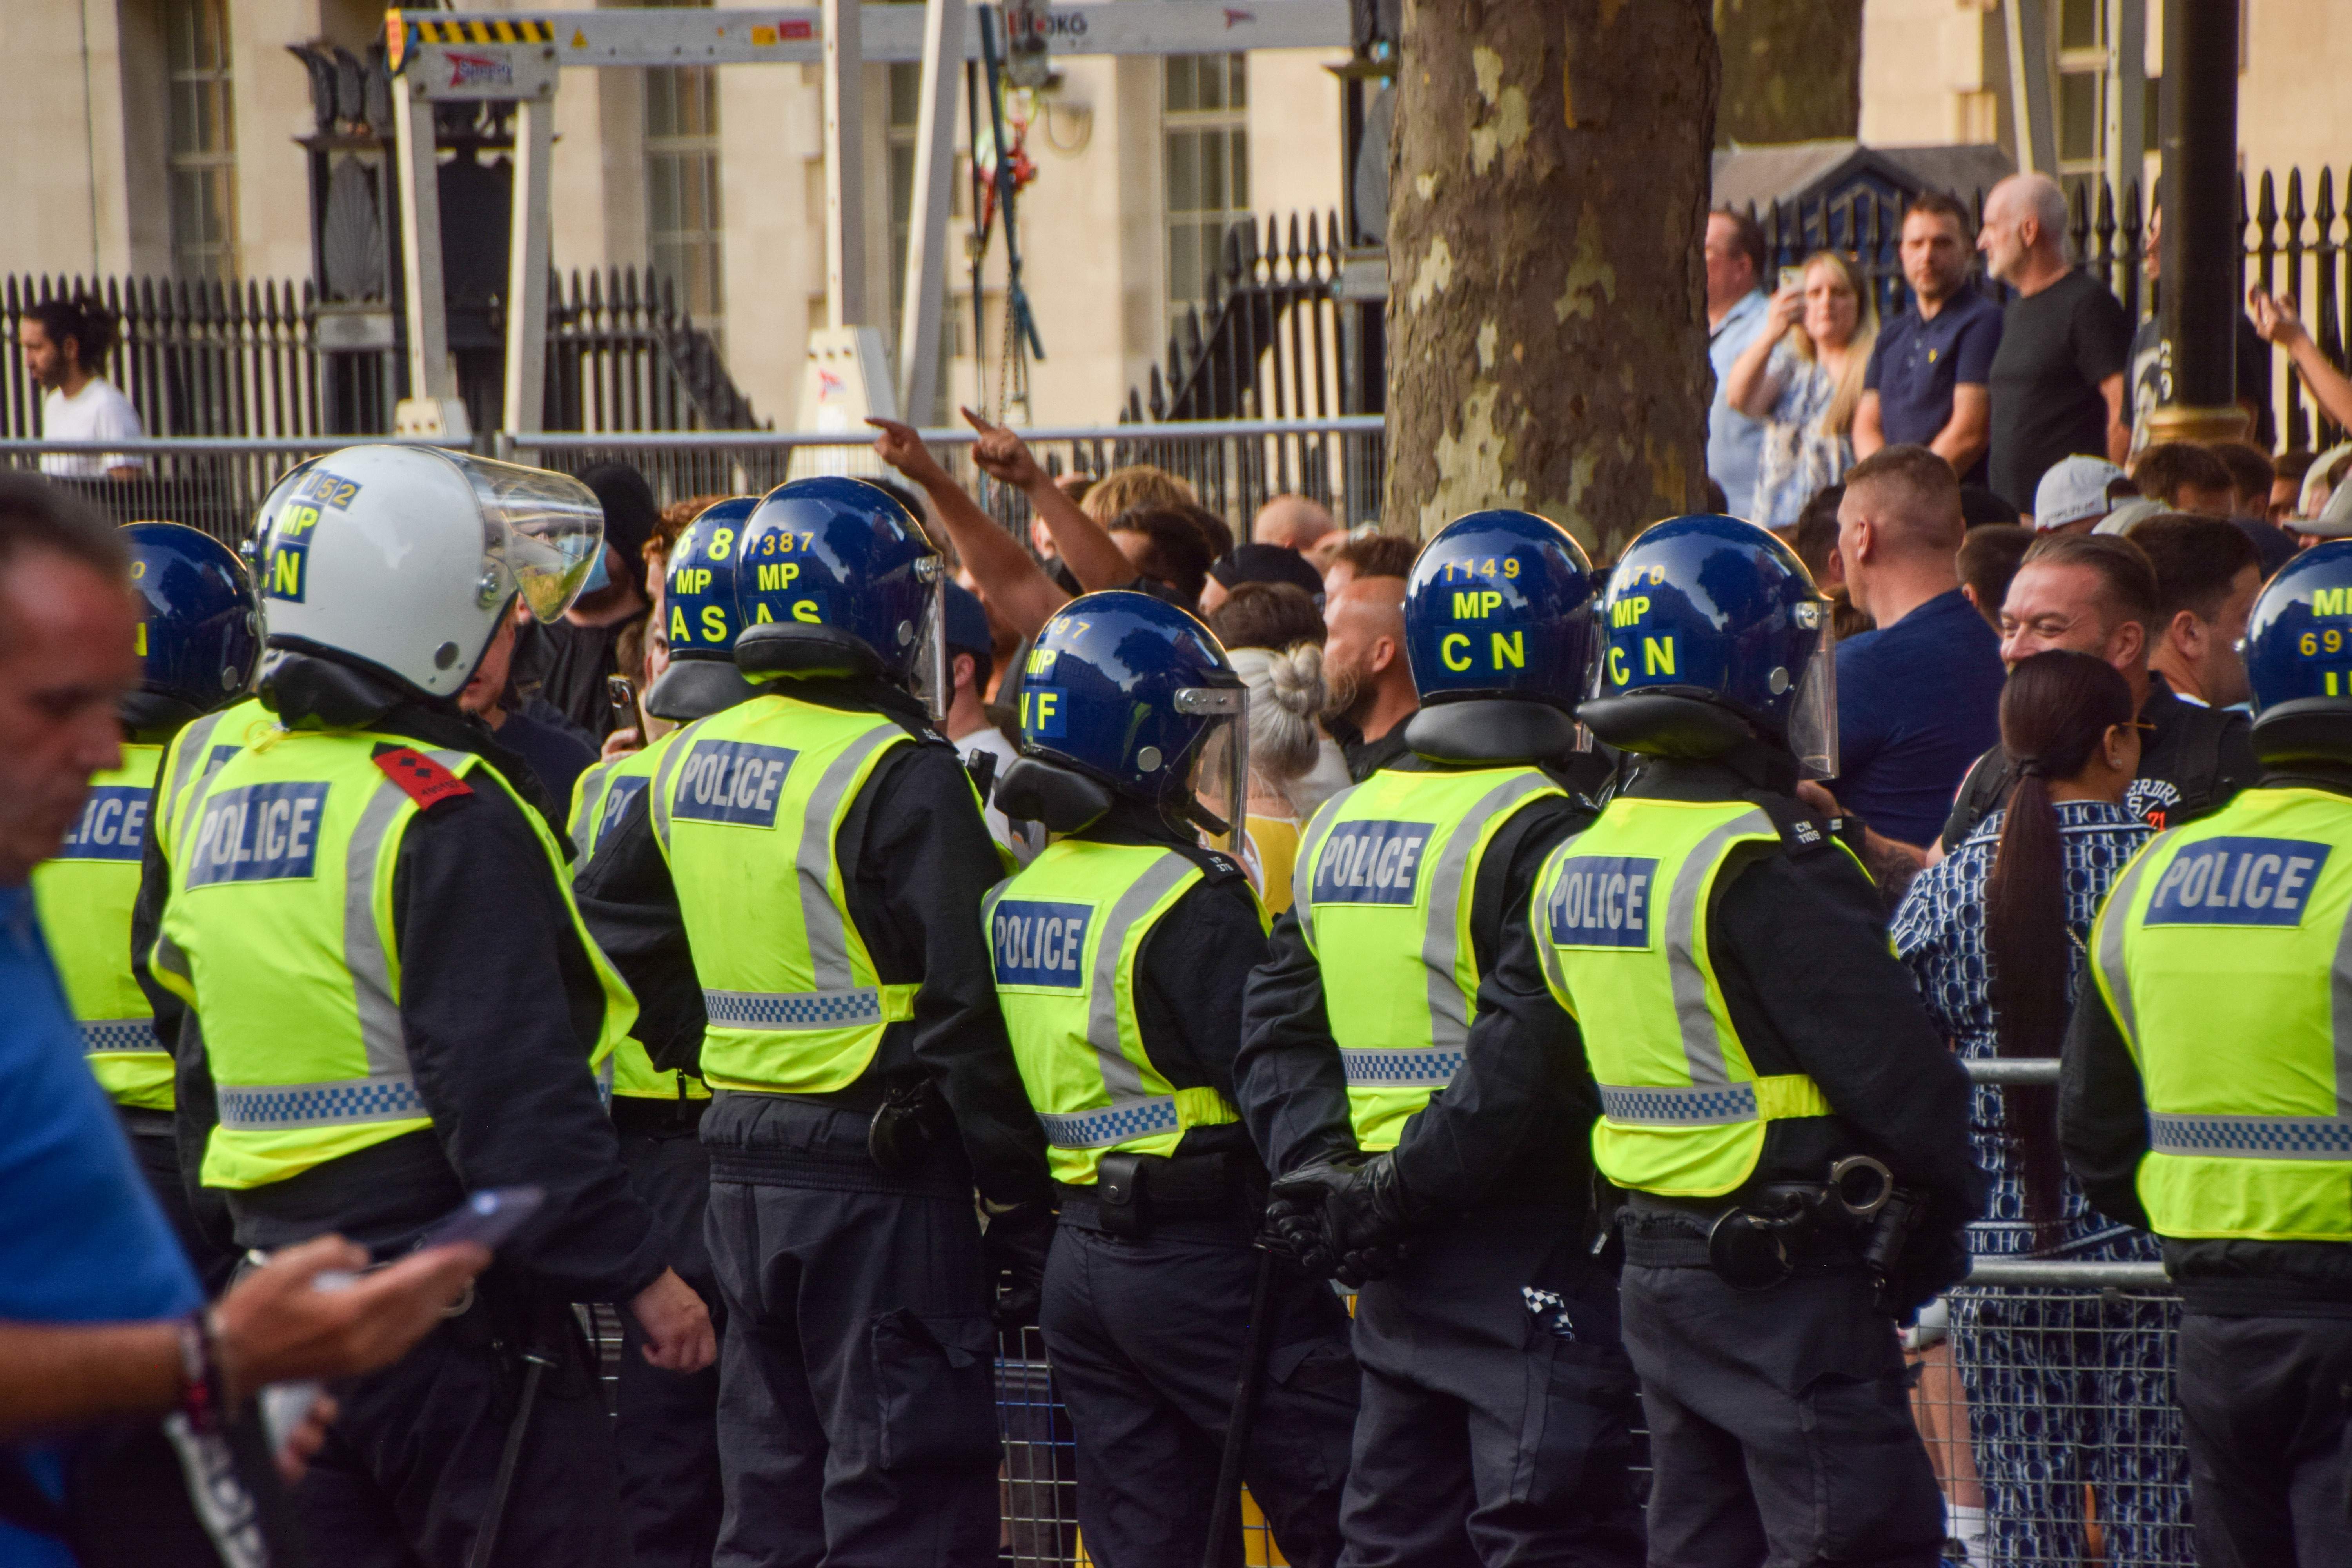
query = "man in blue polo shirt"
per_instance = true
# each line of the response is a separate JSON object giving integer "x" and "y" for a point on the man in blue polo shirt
{"x": 1926, "y": 384}
{"x": 1736, "y": 308}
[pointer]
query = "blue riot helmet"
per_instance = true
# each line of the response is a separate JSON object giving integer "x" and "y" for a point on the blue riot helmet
{"x": 2298, "y": 652}
{"x": 1713, "y": 632}
{"x": 700, "y": 616}
{"x": 199, "y": 625}
{"x": 1124, "y": 694}
{"x": 1498, "y": 628}
{"x": 835, "y": 580}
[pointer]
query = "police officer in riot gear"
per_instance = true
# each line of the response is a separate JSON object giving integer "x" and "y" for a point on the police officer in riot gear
{"x": 199, "y": 640}
{"x": 1496, "y": 1402}
{"x": 1120, "y": 955}
{"x": 391, "y": 1002}
{"x": 1790, "y": 1134}
{"x": 2204, "y": 1087}
{"x": 798, "y": 892}
{"x": 668, "y": 1424}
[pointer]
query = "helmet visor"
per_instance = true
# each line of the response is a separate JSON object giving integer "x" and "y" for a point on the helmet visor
{"x": 544, "y": 530}
{"x": 929, "y": 678}
{"x": 1813, "y": 733}
{"x": 1220, "y": 778}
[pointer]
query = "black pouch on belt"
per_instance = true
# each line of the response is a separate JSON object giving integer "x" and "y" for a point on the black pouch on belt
{"x": 1122, "y": 1199}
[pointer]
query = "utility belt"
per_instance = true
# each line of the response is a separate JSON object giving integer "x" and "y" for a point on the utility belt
{"x": 647, "y": 1113}
{"x": 907, "y": 1115}
{"x": 142, "y": 1122}
{"x": 1135, "y": 1193}
{"x": 1859, "y": 1218}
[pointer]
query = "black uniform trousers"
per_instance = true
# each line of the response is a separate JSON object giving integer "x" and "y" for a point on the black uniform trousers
{"x": 157, "y": 1149}
{"x": 1496, "y": 1427}
{"x": 668, "y": 1430}
{"x": 857, "y": 1418}
{"x": 2270, "y": 1454}
{"x": 1780, "y": 1425}
{"x": 1145, "y": 1337}
{"x": 405, "y": 1477}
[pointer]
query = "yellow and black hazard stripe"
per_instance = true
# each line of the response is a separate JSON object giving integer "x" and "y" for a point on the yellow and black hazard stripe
{"x": 404, "y": 28}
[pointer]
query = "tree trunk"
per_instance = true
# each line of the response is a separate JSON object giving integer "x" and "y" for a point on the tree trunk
{"x": 1547, "y": 319}
{"x": 1792, "y": 70}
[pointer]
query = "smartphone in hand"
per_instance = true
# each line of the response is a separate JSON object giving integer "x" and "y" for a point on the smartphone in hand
{"x": 485, "y": 1218}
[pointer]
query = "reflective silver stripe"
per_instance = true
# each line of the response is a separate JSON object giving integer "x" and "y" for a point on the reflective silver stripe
{"x": 1539, "y": 918}
{"x": 1121, "y": 1076}
{"x": 1113, "y": 1124}
{"x": 793, "y": 1009}
{"x": 2340, "y": 988}
{"x": 1399, "y": 1070}
{"x": 1702, "y": 1049}
{"x": 1302, "y": 870}
{"x": 99, "y": 1034}
{"x": 1698, "y": 1105}
{"x": 363, "y": 952}
{"x": 194, "y": 740}
{"x": 2252, "y": 1137}
{"x": 823, "y": 925}
{"x": 662, "y": 776}
{"x": 2114, "y": 922}
{"x": 1441, "y": 942}
{"x": 348, "y": 1103}
{"x": 590, "y": 800}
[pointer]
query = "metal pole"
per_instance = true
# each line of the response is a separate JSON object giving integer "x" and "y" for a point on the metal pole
{"x": 926, "y": 237}
{"x": 845, "y": 164}
{"x": 430, "y": 374}
{"x": 2029, "y": 85}
{"x": 2200, "y": 242}
{"x": 526, "y": 384}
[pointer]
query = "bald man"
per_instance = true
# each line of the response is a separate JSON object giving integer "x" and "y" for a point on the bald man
{"x": 1292, "y": 522}
{"x": 2057, "y": 381}
{"x": 1364, "y": 665}
{"x": 1919, "y": 697}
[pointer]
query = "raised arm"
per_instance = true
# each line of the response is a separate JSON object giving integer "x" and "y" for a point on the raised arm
{"x": 1002, "y": 569}
{"x": 1746, "y": 386}
{"x": 1084, "y": 545}
{"x": 2276, "y": 320}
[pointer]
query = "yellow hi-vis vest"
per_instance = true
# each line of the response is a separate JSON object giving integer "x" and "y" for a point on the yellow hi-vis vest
{"x": 1064, "y": 934}
{"x": 85, "y": 898}
{"x": 747, "y": 805}
{"x": 1383, "y": 889}
{"x": 2225, "y": 953}
{"x": 1621, "y": 920}
{"x": 201, "y": 746}
{"x": 280, "y": 933}
{"x": 599, "y": 801}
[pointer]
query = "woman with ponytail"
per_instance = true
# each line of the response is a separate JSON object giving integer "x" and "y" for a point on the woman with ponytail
{"x": 2064, "y": 1393}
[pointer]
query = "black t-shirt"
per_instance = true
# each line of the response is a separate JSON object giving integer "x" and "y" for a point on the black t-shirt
{"x": 2056, "y": 348}
{"x": 558, "y": 753}
{"x": 571, "y": 664}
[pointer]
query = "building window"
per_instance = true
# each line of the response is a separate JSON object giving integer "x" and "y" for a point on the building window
{"x": 1205, "y": 118}
{"x": 684, "y": 226}
{"x": 204, "y": 141}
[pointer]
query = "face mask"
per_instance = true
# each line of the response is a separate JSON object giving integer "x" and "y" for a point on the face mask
{"x": 597, "y": 576}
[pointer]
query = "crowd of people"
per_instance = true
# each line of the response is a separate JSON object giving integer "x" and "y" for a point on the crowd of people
{"x": 836, "y": 934}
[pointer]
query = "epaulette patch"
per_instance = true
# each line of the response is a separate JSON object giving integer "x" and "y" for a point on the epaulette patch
{"x": 420, "y": 778}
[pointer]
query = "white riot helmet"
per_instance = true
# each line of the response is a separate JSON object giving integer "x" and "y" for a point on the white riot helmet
{"x": 403, "y": 558}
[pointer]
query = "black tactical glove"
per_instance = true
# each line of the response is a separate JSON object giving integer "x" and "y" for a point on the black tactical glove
{"x": 1345, "y": 1219}
{"x": 1936, "y": 1259}
{"x": 1015, "y": 1246}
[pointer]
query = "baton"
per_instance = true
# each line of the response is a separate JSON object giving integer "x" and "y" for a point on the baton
{"x": 485, "y": 1536}
{"x": 1256, "y": 1345}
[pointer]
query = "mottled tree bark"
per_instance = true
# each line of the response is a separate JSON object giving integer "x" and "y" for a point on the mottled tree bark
{"x": 1547, "y": 309}
{"x": 1792, "y": 70}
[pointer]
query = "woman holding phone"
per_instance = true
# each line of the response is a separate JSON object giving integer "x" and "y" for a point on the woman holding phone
{"x": 1803, "y": 377}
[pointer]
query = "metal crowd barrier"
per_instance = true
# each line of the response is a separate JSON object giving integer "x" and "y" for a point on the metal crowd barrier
{"x": 217, "y": 483}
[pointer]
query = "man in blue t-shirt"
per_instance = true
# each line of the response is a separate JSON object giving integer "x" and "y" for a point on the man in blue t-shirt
{"x": 1737, "y": 306}
{"x": 1919, "y": 698}
{"x": 85, "y": 1248}
{"x": 1927, "y": 381}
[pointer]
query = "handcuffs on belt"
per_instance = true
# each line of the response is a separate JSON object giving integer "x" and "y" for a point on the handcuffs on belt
{"x": 1757, "y": 1246}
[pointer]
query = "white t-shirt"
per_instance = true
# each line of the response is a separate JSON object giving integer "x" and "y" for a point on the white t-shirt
{"x": 1029, "y": 837}
{"x": 97, "y": 413}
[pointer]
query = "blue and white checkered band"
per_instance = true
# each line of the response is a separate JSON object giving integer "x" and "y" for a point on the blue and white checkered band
{"x": 282, "y": 1107}
{"x": 1112, "y": 1124}
{"x": 1698, "y": 1105}
{"x": 2252, "y": 1137}
{"x": 1399, "y": 1069}
{"x": 793, "y": 1009}
{"x": 118, "y": 1035}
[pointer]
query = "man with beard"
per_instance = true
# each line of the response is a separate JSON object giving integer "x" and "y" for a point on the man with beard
{"x": 1364, "y": 664}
